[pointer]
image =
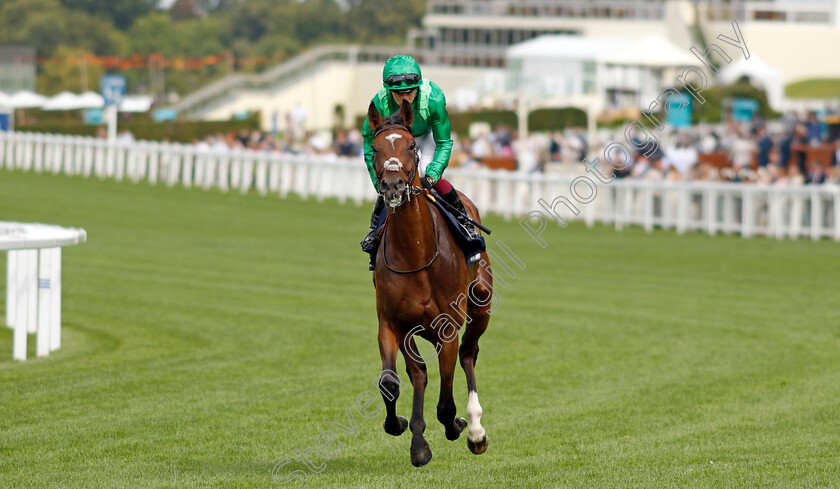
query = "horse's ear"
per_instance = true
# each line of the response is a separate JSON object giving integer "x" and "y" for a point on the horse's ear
{"x": 407, "y": 113}
{"x": 374, "y": 119}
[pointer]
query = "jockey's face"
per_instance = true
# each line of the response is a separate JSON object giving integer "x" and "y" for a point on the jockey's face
{"x": 400, "y": 96}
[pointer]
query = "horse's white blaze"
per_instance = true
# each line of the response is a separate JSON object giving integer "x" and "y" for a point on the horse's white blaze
{"x": 393, "y": 164}
{"x": 475, "y": 432}
{"x": 392, "y": 137}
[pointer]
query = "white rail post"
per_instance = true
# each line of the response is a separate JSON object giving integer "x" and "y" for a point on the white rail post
{"x": 274, "y": 167}
{"x": 836, "y": 196}
{"x": 200, "y": 167}
{"x": 154, "y": 162}
{"x": 55, "y": 299}
{"x": 45, "y": 263}
{"x": 816, "y": 215}
{"x": 99, "y": 166}
{"x": 119, "y": 160}
{"x": 38, "y": 158}
{"x": 778, "y": 215}
{"x": 9, "y": 160}
{"x": 32, "y": 292}
{"x": 728, "y": 225}
{"x": 20, "y": 309}
{"x": 797, "y": 209}
{"x": 321, "y": 176}
{"x": 3, "y": 143}
{"x": 89, "y": 157}
{"x": 747, "y": 212}
{"x": 711, "y": 211}
{"x": 110, "y": 159}
{"x": 209, "y": 171}
{"x": 11, "y": 287}
{"x": 682, "y": 209}
{"x": 236, "y": 167}
{"x": 224, "y": 171}
{"x": 176, "y": 153}
{"x": 79, "y": 156}
{"x": 48, "y": 153}
{"x": 647, "y": 195}
{"x": 187, "y": 166}
{"x": 246, "y": 178}
{"x": 262, "y": 174}
{"x": 26, "y": 164}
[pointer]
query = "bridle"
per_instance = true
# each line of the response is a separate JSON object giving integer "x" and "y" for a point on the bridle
{"x": 394, "y": 164}
{"x": 410, "y": 190}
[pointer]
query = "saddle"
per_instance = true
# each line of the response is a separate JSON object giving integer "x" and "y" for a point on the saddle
{"x": 472, "y": 248}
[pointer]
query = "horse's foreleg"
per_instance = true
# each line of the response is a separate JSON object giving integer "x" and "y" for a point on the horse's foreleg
{"x": 421, "y": 454}
{"x": 389, "y": 383}
{"x": 446, "y": 409}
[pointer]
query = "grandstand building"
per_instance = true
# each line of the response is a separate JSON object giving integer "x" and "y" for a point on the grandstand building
{"x": 478, "y": 32}
{"x": 466, "y": 46}
{"x": 17, "y": 68}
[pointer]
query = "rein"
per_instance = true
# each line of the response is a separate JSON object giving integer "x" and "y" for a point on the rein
{"x": 407, "y": 272}
{"x": 409, "y": 191}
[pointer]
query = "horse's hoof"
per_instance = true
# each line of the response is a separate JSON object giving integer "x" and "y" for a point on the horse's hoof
{"x": 478, "y": 448}
{"x": 421, "y": 456}
{"x": 395, "y": 429}
{"x": 460, "y": 424}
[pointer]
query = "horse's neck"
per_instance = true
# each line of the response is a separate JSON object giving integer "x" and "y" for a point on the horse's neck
{"x": 411, "y": 233}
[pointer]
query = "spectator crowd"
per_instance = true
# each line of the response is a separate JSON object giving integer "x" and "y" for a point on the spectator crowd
{"x": 790, "y": 151}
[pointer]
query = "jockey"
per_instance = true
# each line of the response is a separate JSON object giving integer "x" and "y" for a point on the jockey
{"x": 402, "y": 80}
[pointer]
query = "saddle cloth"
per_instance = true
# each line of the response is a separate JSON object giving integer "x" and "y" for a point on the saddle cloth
{"x": 472, "y": 248}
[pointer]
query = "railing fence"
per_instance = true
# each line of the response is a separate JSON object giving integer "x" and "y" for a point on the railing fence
{"x": 746, "y": 209}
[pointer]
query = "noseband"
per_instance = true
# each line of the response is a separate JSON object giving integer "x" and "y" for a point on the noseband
{"x": 394, "y": 164}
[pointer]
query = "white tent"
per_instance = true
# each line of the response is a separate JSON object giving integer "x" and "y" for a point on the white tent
{"x": 652, "y": 50}
{"x": 91, "y": 100}
{"x": 5, "y": 101}
{"x": 63, "y": 101}
{"x": 565, "y": 47}
{"x": 136, "y": 103}
{"x": 26, "y": 100}
{"x": 760, "y": 74}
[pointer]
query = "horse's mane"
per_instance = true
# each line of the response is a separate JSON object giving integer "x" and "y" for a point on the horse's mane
{"x": 394, "y": 119}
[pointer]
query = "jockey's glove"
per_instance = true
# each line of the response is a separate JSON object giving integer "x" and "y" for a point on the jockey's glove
{"x": 427, "y": 182}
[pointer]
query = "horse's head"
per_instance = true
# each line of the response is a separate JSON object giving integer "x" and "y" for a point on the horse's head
{"x": 395, "y": 155}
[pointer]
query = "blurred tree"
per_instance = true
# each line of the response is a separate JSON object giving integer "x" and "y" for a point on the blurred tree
{"x": 316, "y": 20}
{"x": 70, "y": 68}
{"x": 377, "y": 21}
{"x": 122, "y": 13}
{"x": 93, "y": 34}
{"x": 185, "y": 10}
{"x": 46, "y": 24}
{"x": 251, "y": 20}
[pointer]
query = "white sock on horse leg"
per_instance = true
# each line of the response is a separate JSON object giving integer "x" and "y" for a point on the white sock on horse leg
{"x": 475, "y": 432}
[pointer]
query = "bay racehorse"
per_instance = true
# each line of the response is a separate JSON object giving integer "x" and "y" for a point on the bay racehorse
{"x": 424, "y": 288}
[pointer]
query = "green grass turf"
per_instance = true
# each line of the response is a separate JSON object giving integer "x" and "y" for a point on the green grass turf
{"x": 815, "y": 88}
{"x": 207, "y": 336}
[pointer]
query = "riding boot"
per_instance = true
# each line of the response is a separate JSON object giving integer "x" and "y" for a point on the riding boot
{"x": 457, "y": 208}
{"x": 372, "y": 239}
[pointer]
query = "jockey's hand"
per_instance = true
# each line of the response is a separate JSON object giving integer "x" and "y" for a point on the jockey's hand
{"x": 427, "y": 182}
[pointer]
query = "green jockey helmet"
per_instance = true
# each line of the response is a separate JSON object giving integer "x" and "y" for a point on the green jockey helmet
{"x": 401, "y": 73}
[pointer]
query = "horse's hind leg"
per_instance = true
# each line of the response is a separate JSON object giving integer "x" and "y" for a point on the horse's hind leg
{"x": 421, "y": 454}
{"x": 479, "y": 311}
{"x": 446, "y": 409}
{"x": 389, "y": 383}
